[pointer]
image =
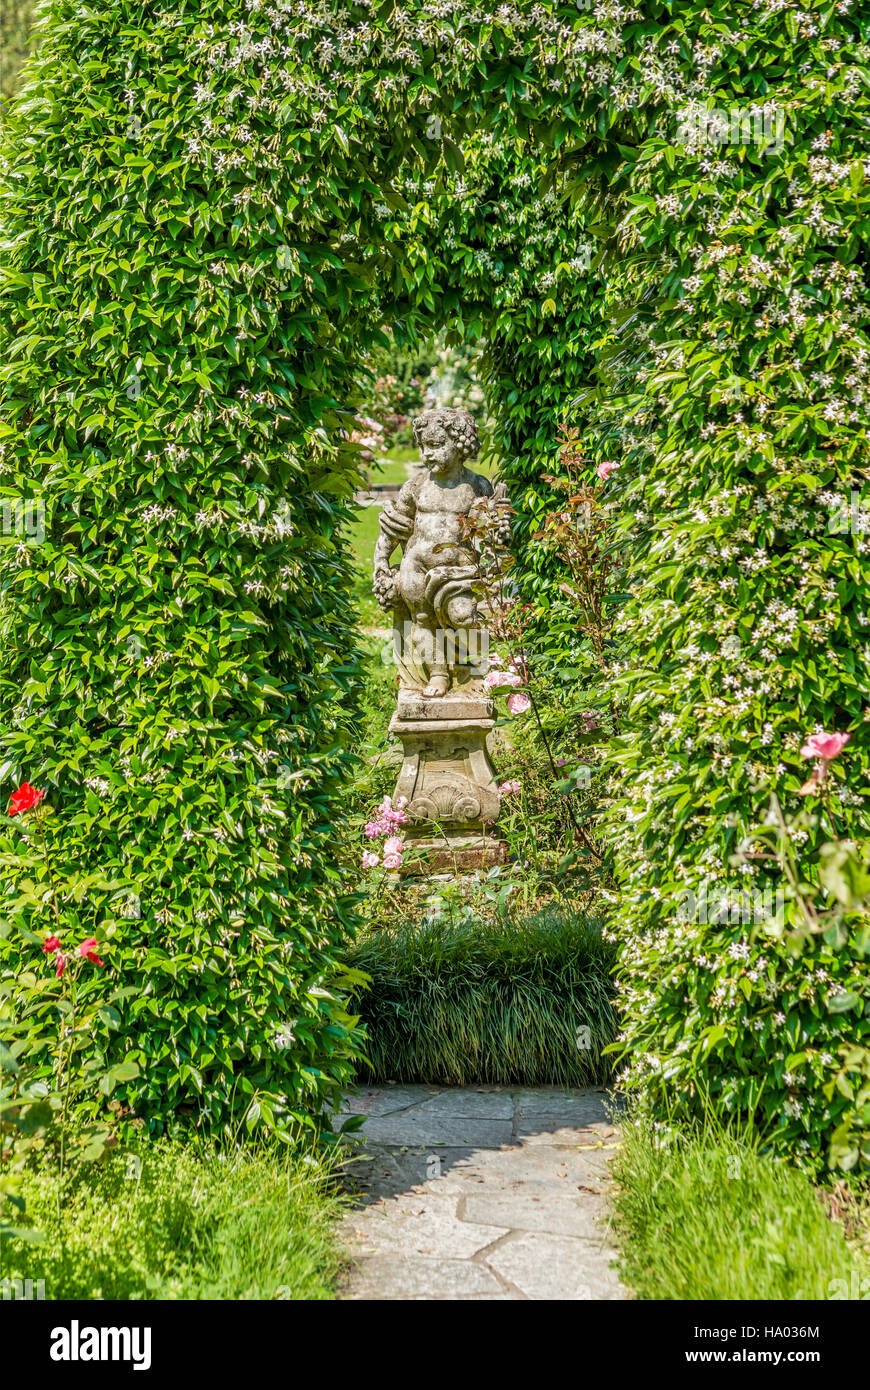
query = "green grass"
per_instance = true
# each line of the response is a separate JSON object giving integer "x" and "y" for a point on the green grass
{"x": 401, "y": 453}
{"x": 242, "y": 1225}
{"x": 362, "y": 535}
{"x": 16, "y": 42}
{"x": 390, "y": 471}
{"x": 482, "y": 1002}
{"x": 708, "y": 1215}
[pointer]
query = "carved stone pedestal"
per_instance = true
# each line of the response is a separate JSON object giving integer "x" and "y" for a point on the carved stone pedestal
{"x": 448, "y": 780}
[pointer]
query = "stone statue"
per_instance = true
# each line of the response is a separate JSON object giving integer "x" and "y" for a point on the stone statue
{"x": 432, "y": 592}
{"x": 444, "y": 715}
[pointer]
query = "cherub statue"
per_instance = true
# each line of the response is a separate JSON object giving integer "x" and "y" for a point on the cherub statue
{"x": 432, "y": 593}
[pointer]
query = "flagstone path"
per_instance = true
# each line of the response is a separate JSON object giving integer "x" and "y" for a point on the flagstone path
{"x": 480, "y": 1193}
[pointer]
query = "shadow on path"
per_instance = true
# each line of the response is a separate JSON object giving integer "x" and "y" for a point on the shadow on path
{"x": 480, "y": 1193}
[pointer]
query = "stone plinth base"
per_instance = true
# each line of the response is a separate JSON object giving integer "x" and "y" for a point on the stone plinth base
{"x": 454, "y": 854}
{"x": 448, "y": 781}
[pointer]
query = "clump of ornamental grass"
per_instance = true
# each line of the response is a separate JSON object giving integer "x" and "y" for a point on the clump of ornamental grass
{"x": 504, "y": 1001}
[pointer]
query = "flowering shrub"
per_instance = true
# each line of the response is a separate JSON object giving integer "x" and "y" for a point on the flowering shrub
{"x": 741, "y": 494}
{"x": 797, "y": 974}
{"x": 453, "y": 380}
{"x": 553, "y": 753}
{"x": 369, "y": 435}
{"x": 175, "y": 662}
{"x": 49, "y": 1068}
{"x": 387, "y": 817}
{"x": 715, "y": 344}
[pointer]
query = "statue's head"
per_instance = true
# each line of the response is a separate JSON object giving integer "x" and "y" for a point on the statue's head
{"x": 445, "y": 436}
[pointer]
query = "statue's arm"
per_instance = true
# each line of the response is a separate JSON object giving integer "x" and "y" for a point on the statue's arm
{"x": 395, "y": 528}
{"x": 384, "y": 547}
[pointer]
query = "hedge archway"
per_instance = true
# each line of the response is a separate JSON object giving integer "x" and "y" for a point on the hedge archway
{"x": 191, "y": 208}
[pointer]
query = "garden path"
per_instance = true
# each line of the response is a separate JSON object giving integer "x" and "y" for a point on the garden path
{"x": 480, "y": 1193}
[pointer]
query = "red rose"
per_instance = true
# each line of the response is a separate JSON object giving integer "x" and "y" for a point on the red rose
{"x": 61, "y": 964}
{"x": 88, "y": 949}
{"x": 25, "y": 798}
{"x": 50, "y": 944}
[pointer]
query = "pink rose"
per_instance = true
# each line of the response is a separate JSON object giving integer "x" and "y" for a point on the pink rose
{"x": 369, "y": 860}
{"x": 389, "y": 816}
{"x": 518, "y": 703}
{"x": 392, "y": 861}
{"x": 510, "y": 788}
{"x": 392, "y": 846}
{"x": 493, "y": 680}
{"x": 605, "y": 470}
{"x": 824, "y": 746}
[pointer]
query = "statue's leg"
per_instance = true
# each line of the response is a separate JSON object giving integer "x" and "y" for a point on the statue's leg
{"x": 430, "y": 655}
{"x": 439, "y": 682}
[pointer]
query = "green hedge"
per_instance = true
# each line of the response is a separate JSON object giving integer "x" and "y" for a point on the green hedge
{"x": 742, "y": 478}
{"x": 176, "y": 661}
{"x": 195, "y": 215}
{"x": 514, "y": 1003}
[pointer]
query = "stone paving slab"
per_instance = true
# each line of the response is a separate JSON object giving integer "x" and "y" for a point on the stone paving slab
{"x": 516, "y": 1167}
{"x": 384, "y": 1100}
{"x": 394, "y": 1277}
{"x": 479, "y": 1105}
{"x": 558, "y": 1110}
{"x": 553, "y": 1132}
{"x": 523, "y": 1168}
{"x": 555, "y": 1267}
{"x": 481, "y": 1193}
{"x": 420, "y": 1225}
{"x": 410, "y": 1127}
{"x": 541, "y": 1211}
